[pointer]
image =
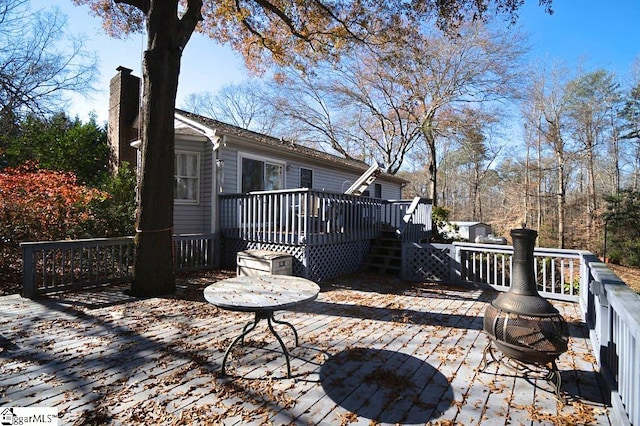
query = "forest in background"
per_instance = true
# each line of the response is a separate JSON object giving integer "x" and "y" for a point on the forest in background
{"x": 473, "y": 126}
{"x": 466, "y": 119}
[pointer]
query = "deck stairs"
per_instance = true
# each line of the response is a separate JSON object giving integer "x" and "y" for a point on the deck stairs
{"x": 385, "y": 255}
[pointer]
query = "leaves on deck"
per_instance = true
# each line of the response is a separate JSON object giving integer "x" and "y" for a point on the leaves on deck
{"x": 157, "y": 360}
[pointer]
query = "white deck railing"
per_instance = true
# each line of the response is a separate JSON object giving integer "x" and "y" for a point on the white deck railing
{"x": 310, "y": 217}
{"x": 52, "y": 266}
{"x": 612, "y": 312}
{"x": 298, "y": 217}
{"x": 412, "y": 218}
{"x": 558, "y": 272}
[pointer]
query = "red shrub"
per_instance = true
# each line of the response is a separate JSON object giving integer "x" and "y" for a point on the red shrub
{"x": 39, "y": 205}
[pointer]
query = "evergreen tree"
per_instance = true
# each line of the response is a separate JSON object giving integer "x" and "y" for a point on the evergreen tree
{"x": 621, "y": 219}
{"x": 59, "y": 143}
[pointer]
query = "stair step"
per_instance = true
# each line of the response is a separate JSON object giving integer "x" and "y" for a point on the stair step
{"x": 389, "y": 237}
{"x": 384, "y": 256}
{"x": 382, "y": 268}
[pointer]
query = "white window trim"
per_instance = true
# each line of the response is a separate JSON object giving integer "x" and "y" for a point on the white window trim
{"x": 198, "y": 165}
{"x": 264, "y": 159}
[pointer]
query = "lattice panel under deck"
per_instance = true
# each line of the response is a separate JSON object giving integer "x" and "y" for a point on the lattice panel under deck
{"x": 426, "y": 263}
{"x": 332, "y": 260}
{"x": 317, "y": 263}
{"x": 229, "y": 251}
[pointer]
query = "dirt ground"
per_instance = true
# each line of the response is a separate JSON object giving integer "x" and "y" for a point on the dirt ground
{"x": 629, "y": 275}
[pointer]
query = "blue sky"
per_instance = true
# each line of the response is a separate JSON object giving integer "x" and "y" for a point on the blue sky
{"x": 594, "y": 33}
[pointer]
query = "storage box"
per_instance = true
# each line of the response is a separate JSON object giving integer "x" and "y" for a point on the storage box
{"x": 263, "y": 262}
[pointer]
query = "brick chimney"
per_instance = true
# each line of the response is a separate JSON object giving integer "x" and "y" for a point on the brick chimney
{"x": 124, "y": 108}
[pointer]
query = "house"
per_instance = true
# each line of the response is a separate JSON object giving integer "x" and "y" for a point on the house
{"x": 250, "y": 190}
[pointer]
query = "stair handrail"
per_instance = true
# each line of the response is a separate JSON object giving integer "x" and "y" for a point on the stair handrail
{"x": 365, "y": 180}
{"x": 408, "y": 215}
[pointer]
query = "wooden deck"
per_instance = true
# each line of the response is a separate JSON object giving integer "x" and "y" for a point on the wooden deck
{"x": 372, "y": 350}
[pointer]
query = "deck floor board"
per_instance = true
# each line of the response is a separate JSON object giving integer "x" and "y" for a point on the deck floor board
{"x": 391, "y": 353}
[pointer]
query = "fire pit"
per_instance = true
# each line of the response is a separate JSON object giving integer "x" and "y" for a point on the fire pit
{"x": 523, "y": 325}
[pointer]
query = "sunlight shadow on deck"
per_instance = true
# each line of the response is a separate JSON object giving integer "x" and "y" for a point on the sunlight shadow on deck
{"x": 94, "y": 298}
{"x": 586, "y": 386}
{"x": 387, "y": 386}
{"x": 397, "y": 315}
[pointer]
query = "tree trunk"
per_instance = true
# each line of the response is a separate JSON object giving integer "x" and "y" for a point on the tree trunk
{"x": 475, "y": 194}
{"x": 539, "y": 182}
{"x": 561, "y": 199}
{"x": 593, "y": 197}
{"x": 616, "y": 156}
{"x": 433, "y": 168}
{"x": 154, "y": 270}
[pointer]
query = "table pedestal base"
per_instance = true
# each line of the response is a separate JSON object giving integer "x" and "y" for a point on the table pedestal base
{"x": 249, "y": 327}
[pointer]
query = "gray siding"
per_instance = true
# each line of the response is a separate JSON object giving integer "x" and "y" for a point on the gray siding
{"x": 325, "y": 178}
{"x": 193, "y": 219}
{"x": 230, "y": 158}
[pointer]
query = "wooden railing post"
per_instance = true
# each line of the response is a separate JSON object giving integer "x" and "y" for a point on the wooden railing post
{"x": 28, "y": 274}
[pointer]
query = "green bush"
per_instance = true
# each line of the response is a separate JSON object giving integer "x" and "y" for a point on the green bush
{"x": 114, "y": 215}
{"x": 621, "y": 219}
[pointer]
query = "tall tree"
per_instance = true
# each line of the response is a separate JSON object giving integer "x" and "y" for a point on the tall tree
{"x": 630, "y": 131}
{"x": 360, "y": 106}
{"x": 406, "y": 91}
{"x": 547, "y": 113}
{"x": 39, "y": 62}
{"x": 293, "y": 32}
{"x": 479, "y": 66}
{"x": 245, "y": 105}
{"x": 590, "y": 99}
{"x": 475, "y": 153}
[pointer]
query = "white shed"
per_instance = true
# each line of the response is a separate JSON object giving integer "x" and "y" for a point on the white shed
{"x": 469, "y": 231}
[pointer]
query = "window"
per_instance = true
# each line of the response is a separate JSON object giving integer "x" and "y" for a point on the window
{"x": 306, "y": 178}
{"x": 187, "y": 178}
{"x": 377, "y": 189}
{"x": 261, "y": 175}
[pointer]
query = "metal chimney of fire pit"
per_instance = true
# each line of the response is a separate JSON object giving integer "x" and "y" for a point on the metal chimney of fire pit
{"x": 523, "y": 297}
{"x": 522, "y": 324}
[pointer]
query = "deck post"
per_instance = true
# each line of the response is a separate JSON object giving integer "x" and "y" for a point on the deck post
{"x": 456, "y": 263}
{"x": 28, "y": 274}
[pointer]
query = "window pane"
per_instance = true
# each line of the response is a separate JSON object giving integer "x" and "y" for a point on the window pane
{"x": 180, "y": 189}
{"x": 180, "y": 164}
{"x": 192, "y": 165}
{"x": 274, "y": 177}
{"x": 306, "y": 178}
{"x": 187, "y": 178}
{"x": 252, "y": 175}
{"x": 192, "y": 189}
